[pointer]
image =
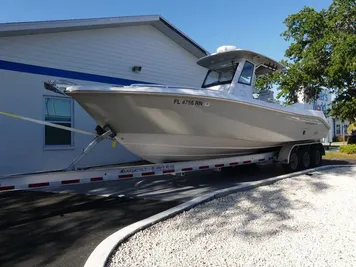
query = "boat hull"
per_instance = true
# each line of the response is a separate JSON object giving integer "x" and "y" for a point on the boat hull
{"x": 165, "y": 127}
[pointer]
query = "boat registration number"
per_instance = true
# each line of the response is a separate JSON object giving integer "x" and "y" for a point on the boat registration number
{"x": 191, "y": 102}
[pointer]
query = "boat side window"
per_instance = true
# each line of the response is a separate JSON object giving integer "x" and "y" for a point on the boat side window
{"x": 247, "y": 73}
{"x": 219, "y": 76}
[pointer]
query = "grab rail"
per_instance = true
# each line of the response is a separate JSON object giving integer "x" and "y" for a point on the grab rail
{"x": 165, "y": 86}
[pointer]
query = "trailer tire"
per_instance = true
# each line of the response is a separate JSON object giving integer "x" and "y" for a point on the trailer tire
{"x": 305, "y": 157}
{"x": 315, "y": 156}
{"x": 294, "y": 162}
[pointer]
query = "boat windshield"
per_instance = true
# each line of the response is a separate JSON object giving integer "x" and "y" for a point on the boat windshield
{"x": 219, "y": 76}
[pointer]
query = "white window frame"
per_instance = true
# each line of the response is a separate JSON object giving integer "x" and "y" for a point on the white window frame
{"x": 57, "y": 147}
{"x": 336, "y": 129}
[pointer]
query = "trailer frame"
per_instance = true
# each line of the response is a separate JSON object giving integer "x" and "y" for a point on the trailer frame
{"x": 285, "y": 155}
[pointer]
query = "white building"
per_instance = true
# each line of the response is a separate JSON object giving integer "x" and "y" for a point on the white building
{"x": 82, "y": 51}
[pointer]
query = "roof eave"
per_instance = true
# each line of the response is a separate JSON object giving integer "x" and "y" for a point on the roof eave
{"x": 161, "y": 24}
{"x": 38, "y": 27}
{"x": 183, "y": 40}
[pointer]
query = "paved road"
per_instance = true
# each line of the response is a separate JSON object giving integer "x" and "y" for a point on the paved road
{"x": 41, "y": 228}
{"x": 46, "y": 229}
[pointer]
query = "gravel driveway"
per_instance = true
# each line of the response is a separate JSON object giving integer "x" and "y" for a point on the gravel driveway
{"x": 309, "y": 220}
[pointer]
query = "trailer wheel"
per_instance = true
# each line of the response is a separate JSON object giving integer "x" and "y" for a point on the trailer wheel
{"x": 294, "y": 162}
{"x": 316, "y": 157}
{"x": 305, "y": 158}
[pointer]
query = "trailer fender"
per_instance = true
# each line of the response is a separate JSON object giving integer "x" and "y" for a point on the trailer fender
{"x": 284, "y": 153}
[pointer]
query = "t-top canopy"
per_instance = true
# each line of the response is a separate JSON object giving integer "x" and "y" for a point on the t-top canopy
{"x": 232, "y": 54}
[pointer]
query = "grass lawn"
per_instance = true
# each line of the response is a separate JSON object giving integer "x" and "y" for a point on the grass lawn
{"x": 338, "y": 155}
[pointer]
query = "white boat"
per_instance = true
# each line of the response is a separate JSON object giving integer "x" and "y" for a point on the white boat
{"x": 223, "y": 118}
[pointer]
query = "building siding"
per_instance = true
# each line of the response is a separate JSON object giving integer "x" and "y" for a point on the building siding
{"x": 107, "y": 52}
{"x": 110, "y": 52}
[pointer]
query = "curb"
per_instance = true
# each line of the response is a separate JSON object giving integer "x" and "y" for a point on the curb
{"x": 103, "y": 251}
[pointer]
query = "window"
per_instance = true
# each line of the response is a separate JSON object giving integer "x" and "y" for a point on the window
{"x": 345, "y": 128}
{"x": 246, "y": 74}
{"x": 338, "y": 130}
{"x": 58, "y": 110}
{"x": 219, "y": 76}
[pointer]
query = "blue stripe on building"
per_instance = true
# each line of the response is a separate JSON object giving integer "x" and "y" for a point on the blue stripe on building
{"x": 33, "y": 69}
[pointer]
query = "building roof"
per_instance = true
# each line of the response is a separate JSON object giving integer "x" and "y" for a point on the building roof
{"x": 157, "y": 21}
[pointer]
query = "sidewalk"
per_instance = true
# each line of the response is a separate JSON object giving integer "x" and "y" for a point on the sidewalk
{"x": 334, "y": 144}
{"x": 306, "y": 220}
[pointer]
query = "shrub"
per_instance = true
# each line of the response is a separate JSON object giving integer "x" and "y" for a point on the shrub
{"x": 348, "y": 149}
{"x": 338, "y": 138}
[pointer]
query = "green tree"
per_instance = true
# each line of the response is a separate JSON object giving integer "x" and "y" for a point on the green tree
{"x": 351, "y": 128}
{"x": 321, "y": 55}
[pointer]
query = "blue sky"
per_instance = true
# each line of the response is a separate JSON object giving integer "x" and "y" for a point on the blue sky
{"x": 254, "y": 25}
